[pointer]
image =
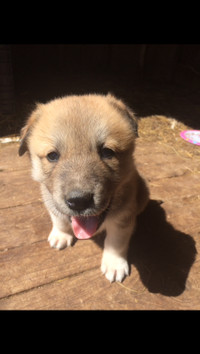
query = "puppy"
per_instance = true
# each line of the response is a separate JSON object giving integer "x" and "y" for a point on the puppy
{"x": 81, "y": 149}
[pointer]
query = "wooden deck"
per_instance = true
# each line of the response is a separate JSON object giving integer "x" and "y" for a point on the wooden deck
{"x": 163, "y": 252}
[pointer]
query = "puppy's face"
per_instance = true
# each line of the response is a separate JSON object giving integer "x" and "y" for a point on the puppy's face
{"x": 81, "y": 151}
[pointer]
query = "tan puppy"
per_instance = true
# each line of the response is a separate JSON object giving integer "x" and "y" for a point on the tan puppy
{"x": 81, "y": 149}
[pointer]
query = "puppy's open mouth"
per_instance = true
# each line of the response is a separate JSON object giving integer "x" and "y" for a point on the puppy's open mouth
{"x": 84, "y": 227}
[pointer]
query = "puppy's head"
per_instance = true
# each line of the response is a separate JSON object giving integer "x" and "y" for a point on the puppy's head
{"x": 81, "y": 151}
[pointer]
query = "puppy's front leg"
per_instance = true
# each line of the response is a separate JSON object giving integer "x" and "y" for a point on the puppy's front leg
{"x": 114, "y": 261}
{"x": 60, "y": 237}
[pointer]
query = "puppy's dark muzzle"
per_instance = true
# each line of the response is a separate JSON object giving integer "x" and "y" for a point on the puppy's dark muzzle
{"x": 79, "y": 201}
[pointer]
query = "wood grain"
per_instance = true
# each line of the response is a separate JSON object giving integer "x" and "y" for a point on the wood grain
{"x": 163, "y": 253}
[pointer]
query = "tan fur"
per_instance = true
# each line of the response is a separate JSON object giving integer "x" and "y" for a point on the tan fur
{"x": 78, "y": 128}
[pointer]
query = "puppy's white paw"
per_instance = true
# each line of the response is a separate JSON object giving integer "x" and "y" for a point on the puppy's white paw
{"x": 58, "y": 239}
{"x": 114, "y": 267}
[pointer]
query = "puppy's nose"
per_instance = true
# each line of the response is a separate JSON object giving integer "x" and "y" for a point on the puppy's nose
{"x": 79, "y": 201}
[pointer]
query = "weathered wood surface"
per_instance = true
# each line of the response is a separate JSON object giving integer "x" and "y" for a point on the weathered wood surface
{"x": 163, "y": 252}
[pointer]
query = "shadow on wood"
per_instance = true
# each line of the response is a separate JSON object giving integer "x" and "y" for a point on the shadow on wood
{"x": 162, "y": 255}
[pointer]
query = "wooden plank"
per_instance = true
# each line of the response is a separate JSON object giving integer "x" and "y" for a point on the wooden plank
{"x": 37, "y": 264}
{"x": 17, "y": 188}
{"x": 88, "y": 290}
{"x": 166, "y": 163}
{"x": 184, "y": 214}
{"x": 23, "y": 225}
{"x": 91, "y": 291}
{"x": 163, "y": 252}
{"x": 10, "y": 159}
{"x": 15, "y": 178}
{"x": 177, "y": 188}
{"x": 161, "y": 257}
{"x": 64, "y": 294}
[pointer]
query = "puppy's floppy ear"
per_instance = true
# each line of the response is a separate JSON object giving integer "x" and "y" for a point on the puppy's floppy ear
{"x": 26, "y": 130}
{"x": 125, "y": 110}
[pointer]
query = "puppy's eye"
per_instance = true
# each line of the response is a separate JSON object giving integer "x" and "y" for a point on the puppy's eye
{"x": 53, "y": 156}
{"x": 106, "y": 153}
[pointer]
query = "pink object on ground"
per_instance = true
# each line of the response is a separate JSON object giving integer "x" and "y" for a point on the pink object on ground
{"x": 192, "y": 136}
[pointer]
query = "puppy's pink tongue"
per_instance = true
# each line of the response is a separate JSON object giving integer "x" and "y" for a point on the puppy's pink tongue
{"x": 84, "y": 227}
